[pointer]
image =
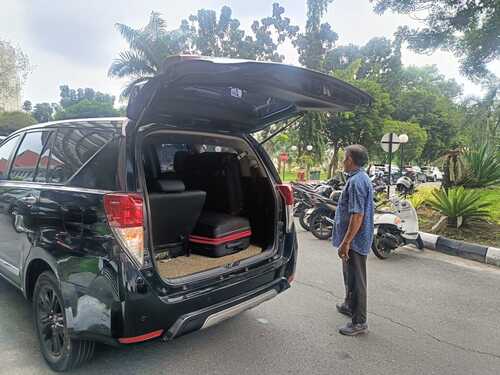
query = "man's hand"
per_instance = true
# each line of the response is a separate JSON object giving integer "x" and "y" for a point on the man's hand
{"x": 344, "y": 250}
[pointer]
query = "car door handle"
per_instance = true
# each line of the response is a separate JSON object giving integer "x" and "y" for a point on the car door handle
{"x": 29, "y": 200}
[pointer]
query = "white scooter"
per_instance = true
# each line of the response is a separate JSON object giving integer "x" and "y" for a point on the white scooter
{"x": 396, "y": 228}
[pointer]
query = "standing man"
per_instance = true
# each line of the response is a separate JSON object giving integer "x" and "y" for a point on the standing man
{"x": 353, "y": 236}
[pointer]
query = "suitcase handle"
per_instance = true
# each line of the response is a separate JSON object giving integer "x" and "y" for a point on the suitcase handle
{"x": 235, "y": 245}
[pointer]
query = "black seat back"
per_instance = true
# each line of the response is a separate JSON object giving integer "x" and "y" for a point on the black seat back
{"x": 219, "y": 174}
{"x": 174, "y": 213}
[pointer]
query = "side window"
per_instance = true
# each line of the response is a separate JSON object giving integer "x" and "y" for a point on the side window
{"x": 28, "y": 154}
{"x": 6, "y": 151}
{"x": 72, "y": 148}
{"x": 100, "y": 172}
{"x": 43, "y": 163}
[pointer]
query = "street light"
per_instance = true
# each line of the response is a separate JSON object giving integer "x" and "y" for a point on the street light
{"x": 403, "y": 138}
{"x": 309, "y": 148}
{"x": 294, "y": 148}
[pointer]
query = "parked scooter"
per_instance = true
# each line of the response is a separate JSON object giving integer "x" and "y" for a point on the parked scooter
{"x": 396, "y": 228}
{"x": 321, "y": 219}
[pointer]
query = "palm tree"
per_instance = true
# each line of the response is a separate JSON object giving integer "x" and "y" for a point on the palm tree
{"x": 148, "y": 48}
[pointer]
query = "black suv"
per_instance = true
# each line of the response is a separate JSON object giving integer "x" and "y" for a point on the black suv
{"x": 122, "y": 230}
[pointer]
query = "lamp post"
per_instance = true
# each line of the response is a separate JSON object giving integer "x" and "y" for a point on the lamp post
{"x": 403, "y": 138}
{"x": 309, "y": 148}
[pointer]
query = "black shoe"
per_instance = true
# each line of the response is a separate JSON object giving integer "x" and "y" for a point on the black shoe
{"x": 353, "y": 329}
{"x": 344, "y": 309}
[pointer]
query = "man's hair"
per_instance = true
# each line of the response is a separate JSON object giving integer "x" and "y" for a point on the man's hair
{"x": 358, "y": 154}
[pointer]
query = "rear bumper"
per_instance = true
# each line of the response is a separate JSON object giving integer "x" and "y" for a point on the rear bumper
{"x": 213, "y": 315}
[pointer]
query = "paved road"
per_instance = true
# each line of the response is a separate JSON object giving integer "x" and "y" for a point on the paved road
{"x": 428, "y": 314}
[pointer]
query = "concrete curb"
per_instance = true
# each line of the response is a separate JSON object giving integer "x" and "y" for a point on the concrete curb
{"x": 479, "y": 253}
{"x": 493, "y": 256}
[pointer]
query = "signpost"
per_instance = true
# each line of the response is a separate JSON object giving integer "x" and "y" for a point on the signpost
{"x": 390, "y": 143}
{"x": 283, "y": 158}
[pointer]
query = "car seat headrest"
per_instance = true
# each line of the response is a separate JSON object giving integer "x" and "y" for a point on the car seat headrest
{"x": 169, "y": 186}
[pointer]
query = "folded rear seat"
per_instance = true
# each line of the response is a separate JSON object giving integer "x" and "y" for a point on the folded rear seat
{"x": 174, "y": 213}
{"x": 218, "y": 234}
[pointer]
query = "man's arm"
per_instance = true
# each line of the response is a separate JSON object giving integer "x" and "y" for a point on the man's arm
{"x": 355, "y": 222}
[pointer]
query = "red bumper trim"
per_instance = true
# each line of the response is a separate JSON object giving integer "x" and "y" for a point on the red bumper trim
{"x": 220, "y": 240}
{"x": 145, "y": 337}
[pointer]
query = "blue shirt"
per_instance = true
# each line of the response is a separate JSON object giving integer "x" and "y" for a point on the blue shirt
{"x": 357, "y": 197}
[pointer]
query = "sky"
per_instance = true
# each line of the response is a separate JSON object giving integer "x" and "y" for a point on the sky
{"x": 74, "y": 42}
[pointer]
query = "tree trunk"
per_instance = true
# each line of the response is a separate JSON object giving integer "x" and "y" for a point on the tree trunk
{"x": 334, "y": 162}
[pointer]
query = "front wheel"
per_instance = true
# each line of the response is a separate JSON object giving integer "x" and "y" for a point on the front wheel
{"x": 379, "y": 250}
{"x": 319, "y": 226}
{"x": 59, "y": 351}
{"x": 303, "y": 220}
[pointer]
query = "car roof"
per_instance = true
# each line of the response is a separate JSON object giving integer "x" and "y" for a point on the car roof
{"x": 106, "y": 123}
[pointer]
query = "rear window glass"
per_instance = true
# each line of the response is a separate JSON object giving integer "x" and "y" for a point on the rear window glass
{"x": 166, "y": 152}
{"x": 6, "y": 151}
{"x": 72, "y": 148}
{"x": 28, "y": 154}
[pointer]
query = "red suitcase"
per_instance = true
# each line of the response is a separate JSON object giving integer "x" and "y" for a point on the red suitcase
{"x": 217, "y": 234}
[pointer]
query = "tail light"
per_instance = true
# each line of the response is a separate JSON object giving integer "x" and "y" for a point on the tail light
{"x": 126, "y": 218}
{"x": 286, "y": 192}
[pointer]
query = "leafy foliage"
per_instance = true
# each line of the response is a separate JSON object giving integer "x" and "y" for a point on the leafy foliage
{"x": 70, "y": 96}
{"x": 42, "y": 112}
{"x": 12, "y": 121}
{"x": 203, "y": 33}
{"x": 14, "y": 69}
{"x": 27, "y": 106}
{"x": 417, "y": 137}
{"x": 421, "y": 196}
{"x": 469, "y": 29}
{"x": 86, "y": 109}
{"x": 458, "y": 204}
{"x": 482, "y": 167}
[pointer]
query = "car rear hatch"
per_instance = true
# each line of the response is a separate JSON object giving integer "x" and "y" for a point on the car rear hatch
{"x": 236, "y": 95}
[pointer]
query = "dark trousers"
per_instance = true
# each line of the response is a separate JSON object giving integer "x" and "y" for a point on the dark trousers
{"x": 354, "y": 270}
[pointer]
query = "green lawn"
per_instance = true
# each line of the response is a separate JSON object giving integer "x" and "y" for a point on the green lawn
{"x": 292, "y": 176}
{"x": 492, "y": 195}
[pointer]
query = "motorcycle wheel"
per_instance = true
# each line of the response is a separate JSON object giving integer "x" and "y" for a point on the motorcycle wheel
{"x": 303, "y": 220}
{"x": 379, "y": 251}
{"x": 319, "y": 227}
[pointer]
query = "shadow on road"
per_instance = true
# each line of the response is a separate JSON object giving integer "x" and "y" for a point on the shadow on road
{"x": 213, "y": 348}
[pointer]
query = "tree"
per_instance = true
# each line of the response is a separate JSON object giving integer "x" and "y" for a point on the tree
{"x": 210, "y": 36}
{"x": 469, "y": 29}
{"x": 362, "y": 125}
{"x": 70, "y": 96}
{"x": 86, "y": 109}
{"x": 380, "y": 60}
{"x": 83, "y": 103}
{"x": 481, "y": 122}
{"x": 14, "y": 69}
{"x": 429, "y": 99}
{"x": 12, "y": 121}
{"x": 42, "y": 112}
{"x": 27, "y": 106}
{"x": 417, "y": 137}
{"x": 312, "y": 46}
{"x": 203, "y": 33}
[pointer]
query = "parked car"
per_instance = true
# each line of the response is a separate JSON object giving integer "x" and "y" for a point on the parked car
{"x": 432, "y": 173}
{"x": 122, "y": 230}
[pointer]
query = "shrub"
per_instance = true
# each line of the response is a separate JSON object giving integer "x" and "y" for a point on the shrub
{"x": 459, "y": 205}
{"x": 421, "y": 196}
{"x": 482, "y": 167}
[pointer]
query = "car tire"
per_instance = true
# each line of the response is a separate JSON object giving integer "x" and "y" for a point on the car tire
{"x": 61, "y": 352}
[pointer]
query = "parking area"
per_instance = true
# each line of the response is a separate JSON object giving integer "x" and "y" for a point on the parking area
{"x": 428, "y": 314}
